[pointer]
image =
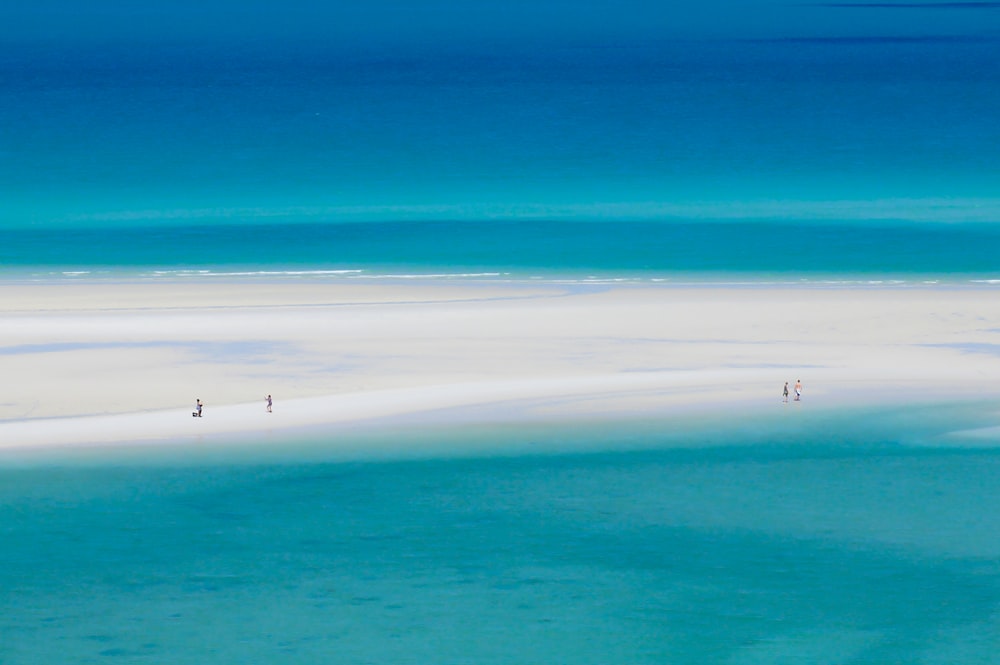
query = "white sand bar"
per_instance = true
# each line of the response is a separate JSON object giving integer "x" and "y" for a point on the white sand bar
{"x": 105, "y": 361}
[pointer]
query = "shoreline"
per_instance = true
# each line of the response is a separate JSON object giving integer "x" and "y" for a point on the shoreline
{"x": 361, "y": 277}
{"x": 95, "y": 363}
{"x": 460, "y": 405}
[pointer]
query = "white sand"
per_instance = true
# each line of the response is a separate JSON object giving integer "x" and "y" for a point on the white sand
{"x": 110, "y": 362}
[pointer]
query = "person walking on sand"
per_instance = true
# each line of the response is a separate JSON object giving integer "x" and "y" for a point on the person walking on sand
{"x": 197, "y": 408}
{"x": 784, "y": 393}
{"x": 798, "y": 389}
{"x": 269, "y": 404}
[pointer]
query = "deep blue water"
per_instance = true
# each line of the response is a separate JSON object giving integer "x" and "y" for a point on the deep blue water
{"x": 130, "y": 132}
{"x": 787, "y": 153}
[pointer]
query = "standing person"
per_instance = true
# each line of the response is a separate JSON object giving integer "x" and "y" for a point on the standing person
{"x": 197, "y": 408}
{"x": 784, "y": 393}
{"x": 798, "y": 389}
{"x": 269, "y": 404}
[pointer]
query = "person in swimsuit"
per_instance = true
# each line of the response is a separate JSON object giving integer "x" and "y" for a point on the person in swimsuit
{"x": 798, "y": 389}
{"x": 784, "y": 393}
{"x": 269, "y": 404}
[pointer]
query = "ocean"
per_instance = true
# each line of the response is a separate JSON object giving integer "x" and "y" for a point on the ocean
{"x": 807, "y": 537}
{"x": 644, "y": 251}
{"x": 778, "y": 155}
{"x": 165, "y": 132}
{"x": 746, "y": 144}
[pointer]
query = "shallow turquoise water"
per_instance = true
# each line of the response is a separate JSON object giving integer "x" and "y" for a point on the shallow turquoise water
{"x": 817, "y": 539}
{"x": 678, "y": 251}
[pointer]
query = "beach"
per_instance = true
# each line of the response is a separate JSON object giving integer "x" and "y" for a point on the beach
{"x": 519, "y": 333}
{"x": 116, "y": 361}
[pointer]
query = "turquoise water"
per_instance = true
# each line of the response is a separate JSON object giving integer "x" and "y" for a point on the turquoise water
{"x": 639, "y": 250}
{"x": 806, "y": 538}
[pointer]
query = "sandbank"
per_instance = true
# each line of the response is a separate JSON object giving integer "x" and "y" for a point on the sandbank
{"x": 118, "y": 361}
